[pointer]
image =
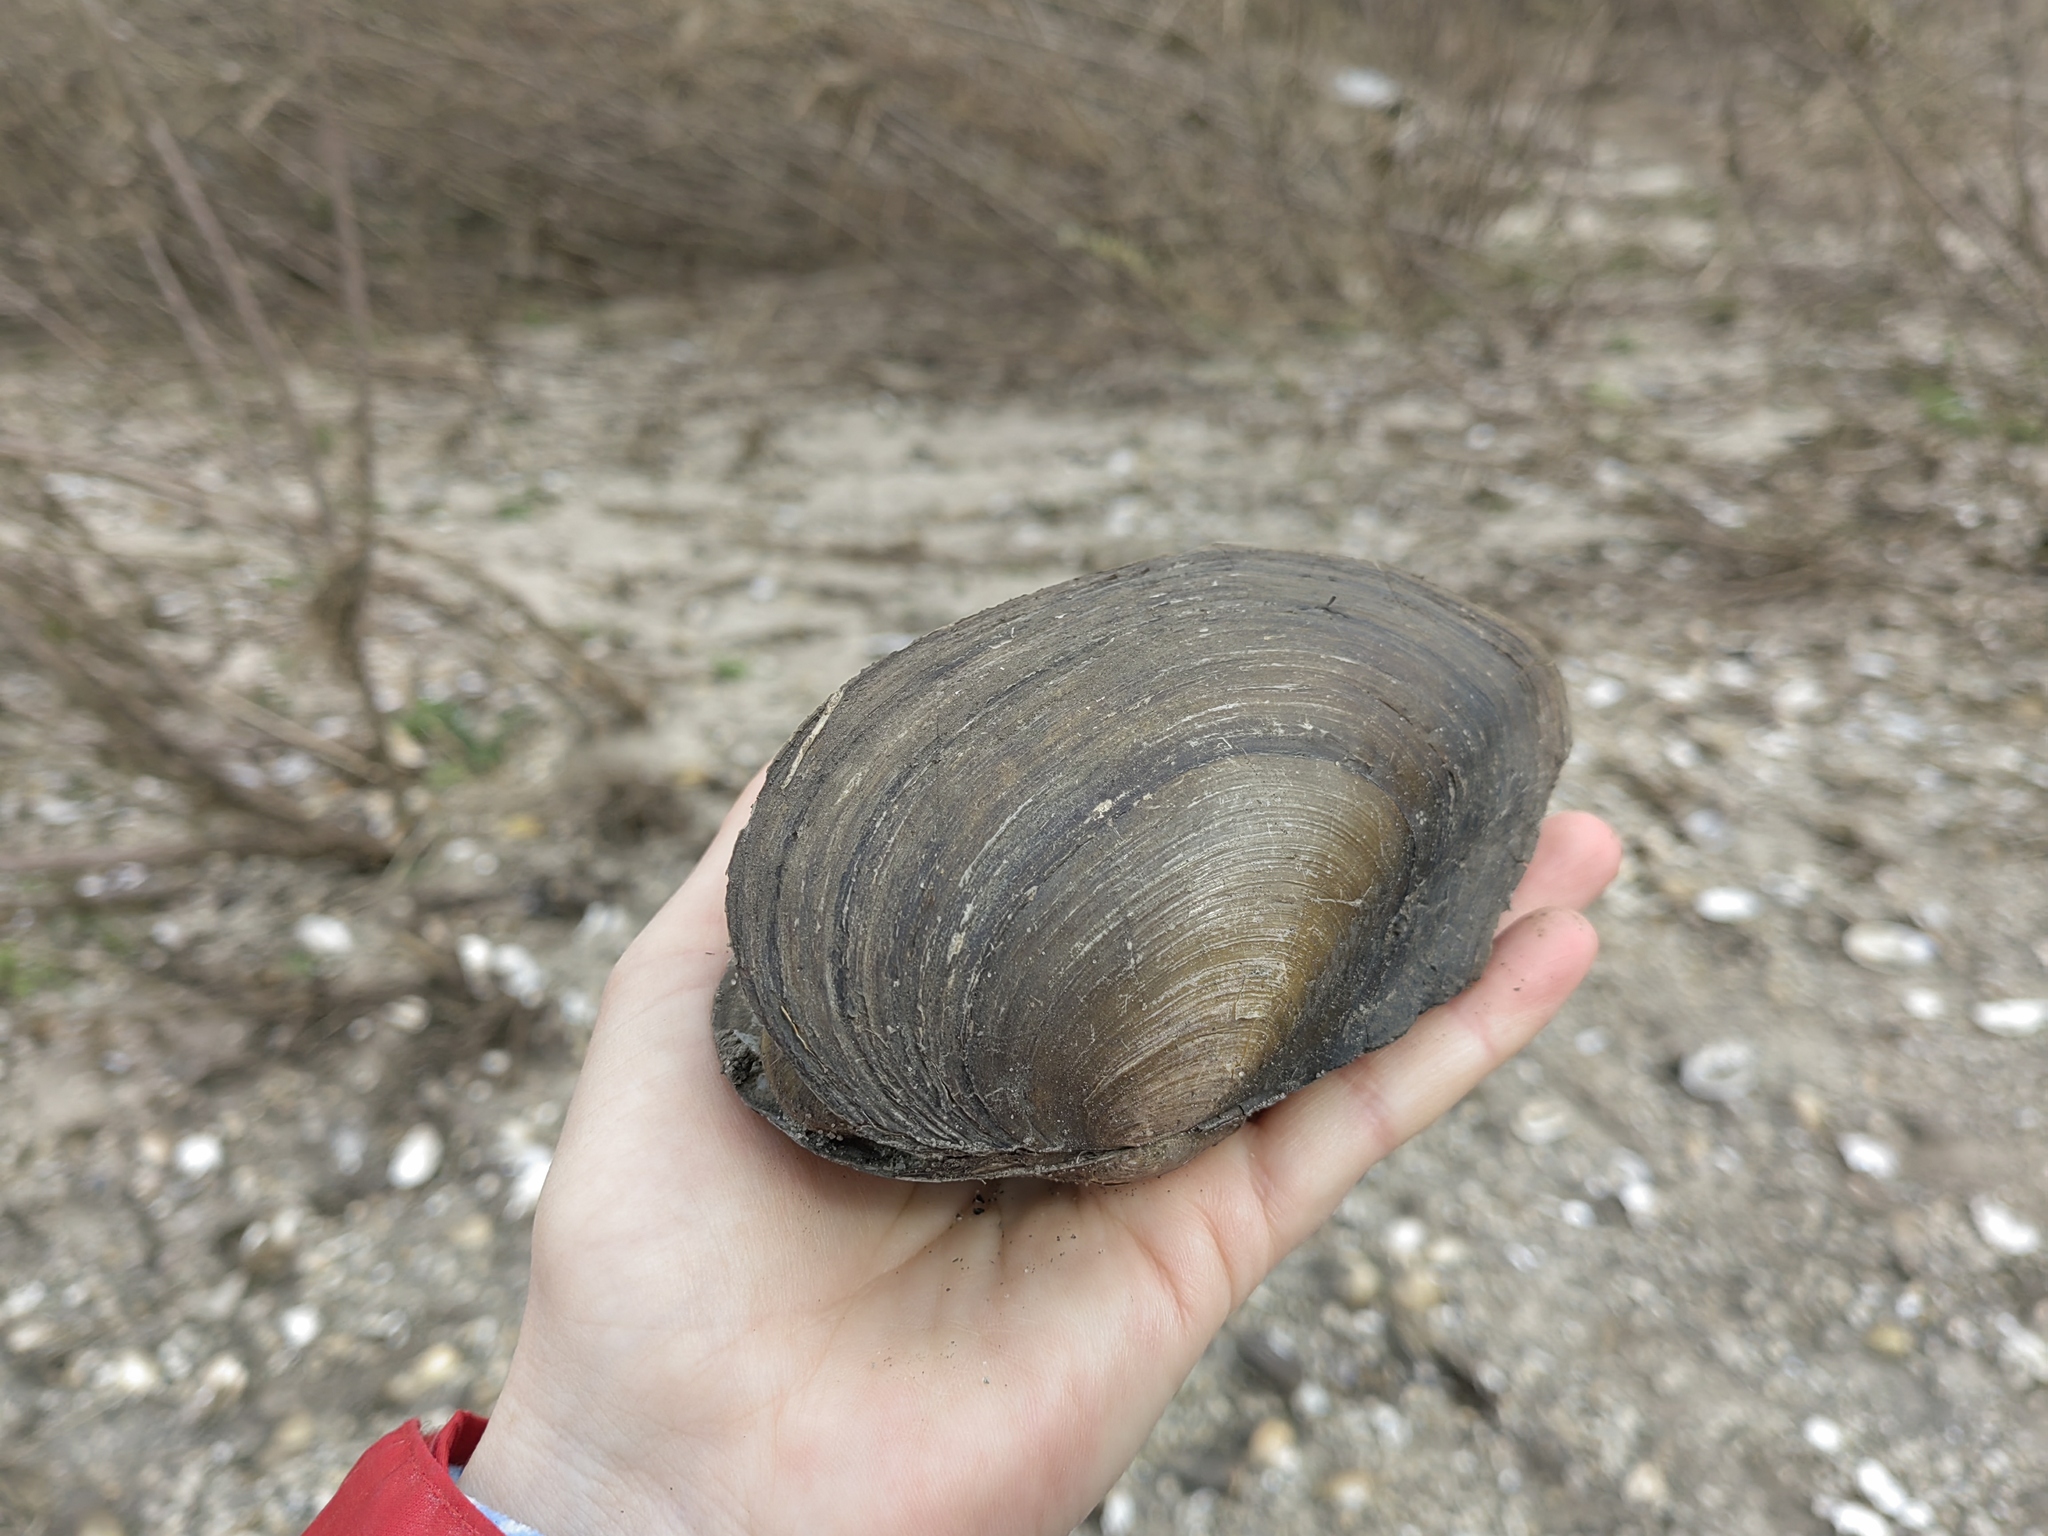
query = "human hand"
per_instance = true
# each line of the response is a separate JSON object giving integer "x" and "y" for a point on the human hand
{"x": 725, "y": 1333}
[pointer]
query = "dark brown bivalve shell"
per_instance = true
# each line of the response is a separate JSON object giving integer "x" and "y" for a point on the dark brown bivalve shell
{"x": 1073, "y": 886}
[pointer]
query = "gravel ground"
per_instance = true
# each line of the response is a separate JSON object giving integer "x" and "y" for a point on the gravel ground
{"x": 1751, "y": 1241}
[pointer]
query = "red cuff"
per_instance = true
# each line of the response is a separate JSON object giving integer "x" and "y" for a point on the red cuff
{"x": 401, "y": 1487}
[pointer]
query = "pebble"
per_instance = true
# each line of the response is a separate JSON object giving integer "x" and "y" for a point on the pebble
{"x": 1349, "y": 1492}
{"x": 2003, "y": 1229}
{"x": 1867, "y": 1155}
{"x": 1823, "y": 1434}
{"x": 198, "y": 1155}
{"x": 1798, "y": 698}
{"x": 1404, "y": 1239}
{"x": 1728, "y": 904}
{"x": 1539, "y": 1122}
{"x": 1577, "y": 1213}
{"x": 1272, "y": 1355}
{"x": 299, "y": 1325}
{"x": 2012, "y": 1017}
{"x": 1721, "y": 1072}
{"x": 1275, "y": 1445}
{"x": 1923, "y": 1003}
{"x": 433, "y": 1370}
{"x": 1640, "y": 1201}
{"x": 1647, "y": 1485}
{"x": 1310, "y": 1401}
{"x": 408, "y": 1015}
{"x": 1891, "y": 1340}
{"x": 1876, "y": 1483}
{"x": 1119, "y": 1513}
{"x": 416, "y": 1159}
{"x": 1603, "y": 692}
{"x": 323, "y": 937}
{"x": 1368, "y": 89}
{"x": 1418, "y": 1291}
{"x": 1889, "y": 947}
{"x": 1850, "y": 1518}
{"x": 222, "y": 1381}
{"x": 1356, "y": 1280}
{"x": 2022, "y": 1352}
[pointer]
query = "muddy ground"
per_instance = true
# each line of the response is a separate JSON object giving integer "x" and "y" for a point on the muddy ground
{"x": 265, "y": 1183}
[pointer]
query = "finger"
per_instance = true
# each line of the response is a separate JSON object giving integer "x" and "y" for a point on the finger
{"x": 684, "y": 944}
{"x": 1304, "y": 1153}
{"x": 1576, "y": 857}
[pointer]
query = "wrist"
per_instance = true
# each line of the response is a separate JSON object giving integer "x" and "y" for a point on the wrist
{"x": 570, "y": 1468}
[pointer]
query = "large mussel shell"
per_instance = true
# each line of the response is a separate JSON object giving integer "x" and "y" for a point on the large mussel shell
{"x": 1073, "y": 886}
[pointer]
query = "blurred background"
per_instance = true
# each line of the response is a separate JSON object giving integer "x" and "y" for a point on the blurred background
{"x": 445, "y": 448}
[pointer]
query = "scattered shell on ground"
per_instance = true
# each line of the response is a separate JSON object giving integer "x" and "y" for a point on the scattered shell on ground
{"x": 323, "y": 937}
{"x": 1867, "y": 1155}
{"x": 300, "y": 1325}
{"x": 1356, "y": 1280}
{"x": 1119, "y": 1513}
{"x": 1892, "y": 1340}
{"x": 1721, "y": 1072}
{"x": 198, "y": 1155}
{"x": 1539, "y": 1122}
{"x": 2013, "y": 1017}
{"x": 1886, "y": 1495}
{"x": 1310, "y": 1401}
{"x": 1349, "y": 1491}
{"x": 1923, "y": 1003}
{"x": 1850, "y": 1518}
{"x": 2003, "y": 1229}
{"x": 1646, "y": 1484}
{"x": 417, "y": 1158}
{"x": 2023, "y": 1352}
{"x": 1728, "y": 904}
{"x": 1405, "y": 1239}
{"x": 1823, "y": 1434}
{"x": 1889, "y": 947}
{"x": 1274, "y": 1444}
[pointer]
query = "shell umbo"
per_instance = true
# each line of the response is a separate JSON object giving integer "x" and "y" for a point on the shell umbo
{"x": 1074, "y": 885}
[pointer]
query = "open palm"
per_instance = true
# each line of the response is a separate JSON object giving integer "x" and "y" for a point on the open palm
{"x": 725, "y": 1333}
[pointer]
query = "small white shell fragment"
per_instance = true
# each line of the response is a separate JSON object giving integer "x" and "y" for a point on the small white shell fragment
{"x": 1720, "y": 1072}
{"x": 1867, "y": 1155}
{"x": 1603, "y": 692}
{"x": 128, "y": 1374}
{"x": 323, "y": 937}
{"x": 1850, "y": 1518}
{"x": 1728, "y": 904}
{"x": 416, "y": 1159}
{"x": 197, "y": 1155}
{"x": 2023, "y": 1352}
{"x": 1119, "y": 1513}
{"x": 473, "y": 954}
{"x": 299, "y": 1325}
{"x": 519, "y": 974}
{"x": 1639, "y": 1199}
{"x": 2014, "y": 1018}
{"x": 1366, "y": 88}
{"x": 1577, "y": 1213}
{"x": 1798, "y": 698}
{"x": 1889, "y": 947}
{"x": 408, "y": 1015}
{"x": 1310, "y": 1401}
{"x": 2002, "y": 1229}
{"x": 1823, "y": 1434}
{"x": 1404, "y": 1239}
{"x": 1876, "y": 1483}
{"x": 1539, "y": 1122}
{"x": 1923, "y": 1003}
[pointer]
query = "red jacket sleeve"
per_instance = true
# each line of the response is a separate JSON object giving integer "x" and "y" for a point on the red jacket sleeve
{"x": 401, "y": 1487}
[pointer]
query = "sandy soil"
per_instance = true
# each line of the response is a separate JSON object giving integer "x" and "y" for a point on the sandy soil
{"x": 1799, "y": 600}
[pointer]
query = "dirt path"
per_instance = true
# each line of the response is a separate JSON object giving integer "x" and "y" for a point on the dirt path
{"x": 1796, "y": 592}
